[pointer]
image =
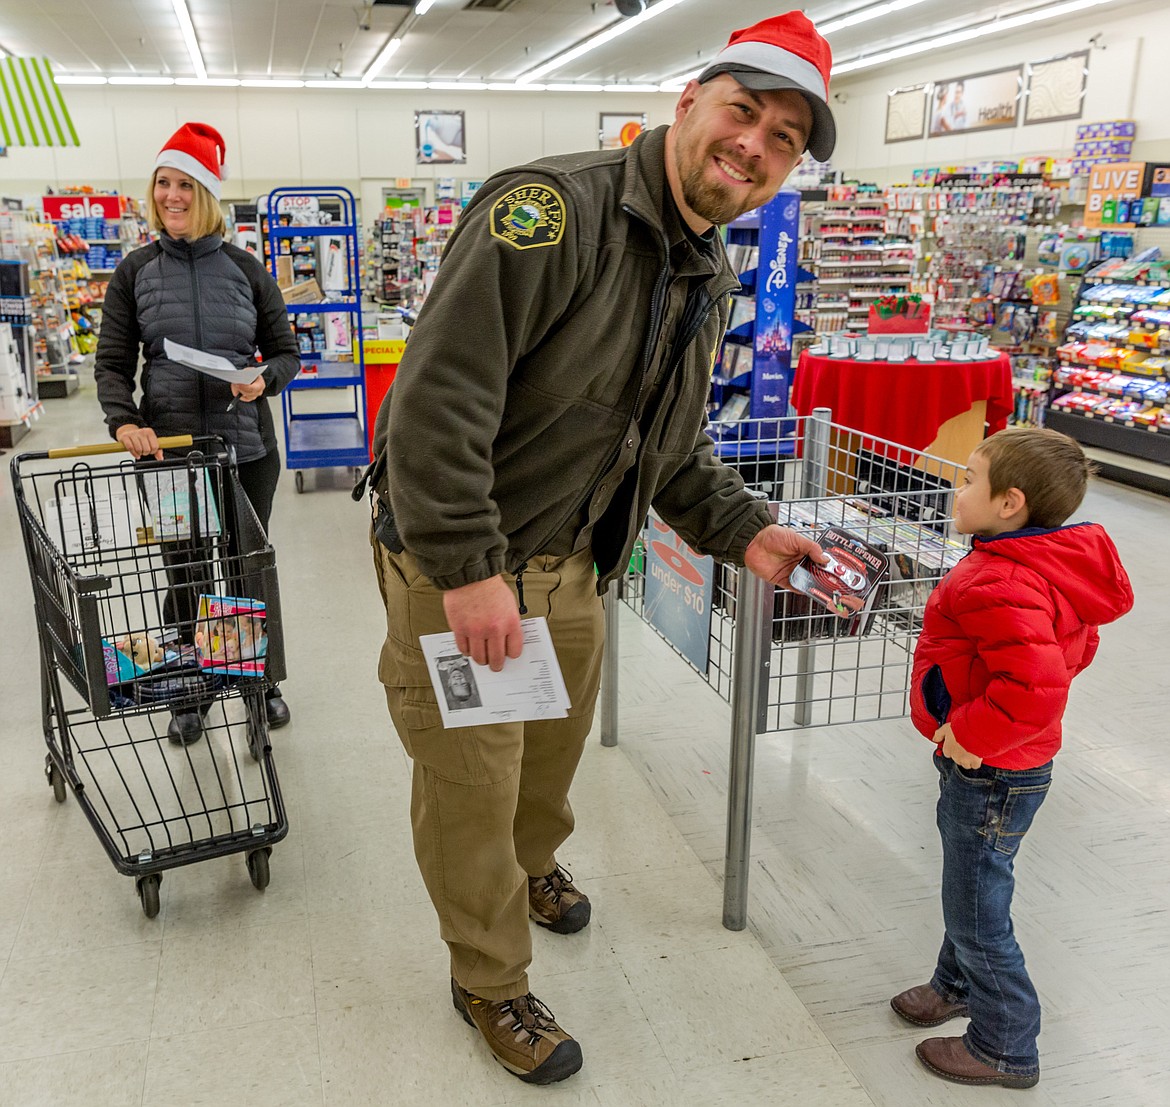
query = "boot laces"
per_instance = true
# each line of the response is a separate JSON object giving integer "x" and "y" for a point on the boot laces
{"x": 531, "y": 1017}
{"x": 557, "y": 882}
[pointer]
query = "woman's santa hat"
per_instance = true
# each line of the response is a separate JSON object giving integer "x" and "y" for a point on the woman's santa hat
{"x": 197, "y": 150}
{"x": 785, "y": 51}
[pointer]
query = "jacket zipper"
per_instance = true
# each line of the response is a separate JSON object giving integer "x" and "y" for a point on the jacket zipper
{"x": 198, "y": 335}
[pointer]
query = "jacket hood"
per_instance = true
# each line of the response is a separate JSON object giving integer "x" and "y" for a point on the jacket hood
{"x": 1080, "y": 561}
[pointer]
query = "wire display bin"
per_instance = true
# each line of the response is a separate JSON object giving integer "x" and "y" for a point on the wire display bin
{"x": 155, "y": 593}
{"x": 779, "y": 659}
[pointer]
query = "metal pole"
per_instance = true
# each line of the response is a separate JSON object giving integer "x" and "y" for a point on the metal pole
{"x": 752, "y": 629}
{"x": 814, "y": 485}
{"x": 609, "y": 668}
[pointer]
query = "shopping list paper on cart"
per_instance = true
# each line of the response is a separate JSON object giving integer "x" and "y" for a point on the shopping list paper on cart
{"x": 527, "y": 687}
{"x": 211, "y": 364}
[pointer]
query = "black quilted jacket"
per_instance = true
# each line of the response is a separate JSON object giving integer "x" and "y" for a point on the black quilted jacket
{"x": 209, "y": 295}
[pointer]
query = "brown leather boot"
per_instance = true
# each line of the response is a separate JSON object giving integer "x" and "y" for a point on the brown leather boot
{"x": 923, "y": 1006}
{"x": 556, "y": 904}
{"x": 522, "y": 1035}
{"x": 952, "y": 1060}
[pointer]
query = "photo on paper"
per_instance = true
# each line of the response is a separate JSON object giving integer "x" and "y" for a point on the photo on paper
{"x": 619, "y": 129}
{"x": 981, "y": 102}
{"x": 459, "y": 687}
{"x": 439, "y": 138}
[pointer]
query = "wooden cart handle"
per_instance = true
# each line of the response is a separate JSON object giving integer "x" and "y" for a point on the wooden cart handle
{"x": 175, "y": 442}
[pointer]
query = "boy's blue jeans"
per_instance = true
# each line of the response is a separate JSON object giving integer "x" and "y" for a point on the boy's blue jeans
{"x": 983, "y": 815}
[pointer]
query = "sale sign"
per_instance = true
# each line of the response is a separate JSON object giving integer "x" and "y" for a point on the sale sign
{"x": 1108, "y": 186}
{"x": 679, "y": 586}
{"x": 82, "y": 207}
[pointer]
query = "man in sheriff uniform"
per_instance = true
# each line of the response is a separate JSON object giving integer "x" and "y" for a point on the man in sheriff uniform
{"x": 552, "y": 391}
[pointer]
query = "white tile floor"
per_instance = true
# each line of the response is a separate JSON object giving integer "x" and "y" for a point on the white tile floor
{"x": 331, "y": 987}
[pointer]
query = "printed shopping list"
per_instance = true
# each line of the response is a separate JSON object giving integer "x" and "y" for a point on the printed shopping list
{"x": 211, "y": 364}
{"x": 530, "y": 686}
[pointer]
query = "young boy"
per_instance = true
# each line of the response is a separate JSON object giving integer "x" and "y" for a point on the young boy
{"x": 1003, "y": 635}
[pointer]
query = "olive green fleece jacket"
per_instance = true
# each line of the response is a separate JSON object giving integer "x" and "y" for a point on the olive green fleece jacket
{"x": 540, "y": 385}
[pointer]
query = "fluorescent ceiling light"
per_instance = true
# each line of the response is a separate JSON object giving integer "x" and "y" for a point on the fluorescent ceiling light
{"x": 466, "y": 86}
{"x": 380, "y": 61}
{"x": 397, "y": 84}
{"x": 864, "y": 15}
{"x": 335, "y": 84}
{"x": 966, "y": 34}
{"x": 572, "y": 88}
{"x": 423, "y": 6}
{"x": 273, "y": 84}
{"x": 188, "y": 29}
{"x": 218, "y": 82}
{"x": 515, "y": 87}
{"x": 142, "y": 80}
{"x": 616, "y": 30}
{"x": 629, "y": 88}
{"x": 61, "y": 79}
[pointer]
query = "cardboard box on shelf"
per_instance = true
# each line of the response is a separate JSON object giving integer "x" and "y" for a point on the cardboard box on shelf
{"x": 304, "y": 292}
{"x": 284, "y": 270}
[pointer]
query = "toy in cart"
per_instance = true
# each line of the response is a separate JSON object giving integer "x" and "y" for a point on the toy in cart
{"x": 845, "y": 584}
{"x": 230, "y": 635}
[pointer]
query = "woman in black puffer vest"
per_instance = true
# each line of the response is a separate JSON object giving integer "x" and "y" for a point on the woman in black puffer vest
{"x": 198, "y": 290}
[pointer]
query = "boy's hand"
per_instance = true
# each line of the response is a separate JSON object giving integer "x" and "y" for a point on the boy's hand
{"x": 952, "y": 749}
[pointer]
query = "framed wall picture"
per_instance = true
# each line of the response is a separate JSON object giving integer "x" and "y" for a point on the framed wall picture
{"x": 981, "y": 102}
{"x": 618, "y": 129}
{"x": 906, "y": 113}
{"x": 439, "y": 138}
{"x": 1056, "y": 88}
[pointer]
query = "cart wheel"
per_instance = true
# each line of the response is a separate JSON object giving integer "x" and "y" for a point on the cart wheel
{"x": 148, "y": 894}
{"x": 299, "y": 480}
{"x": 56, "y": 780}
{"x": 258, "y": 867}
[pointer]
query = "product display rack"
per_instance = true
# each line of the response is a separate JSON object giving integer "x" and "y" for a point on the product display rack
{"x": 1112, "y": 387}
{"x": 317, "y": 439}
{"x": 753, "y": 371}
{"x": 846, "y": 244}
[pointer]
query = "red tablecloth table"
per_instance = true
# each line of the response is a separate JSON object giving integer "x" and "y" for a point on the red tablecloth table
{"x": 905, "y": 402}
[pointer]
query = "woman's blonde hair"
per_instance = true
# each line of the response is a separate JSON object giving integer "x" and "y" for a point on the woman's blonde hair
{"x": 206, "y": 217}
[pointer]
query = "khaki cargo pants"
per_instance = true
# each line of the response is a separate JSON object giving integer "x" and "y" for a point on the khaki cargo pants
{"x": 489, "y": 804}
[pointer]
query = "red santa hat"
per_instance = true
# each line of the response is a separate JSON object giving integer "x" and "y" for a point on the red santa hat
{"x": 784, "y": 51}
{"x": 197, "y": 150}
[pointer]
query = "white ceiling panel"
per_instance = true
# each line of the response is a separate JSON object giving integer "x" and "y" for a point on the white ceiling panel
{"x": 318, "y": 39}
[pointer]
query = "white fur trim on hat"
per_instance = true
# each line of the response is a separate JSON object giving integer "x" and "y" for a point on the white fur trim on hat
{"x": 774, "y": 59}
{"x": 195, "y": 169}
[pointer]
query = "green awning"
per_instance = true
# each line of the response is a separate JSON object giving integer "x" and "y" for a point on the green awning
{"x": 32, "y": 109}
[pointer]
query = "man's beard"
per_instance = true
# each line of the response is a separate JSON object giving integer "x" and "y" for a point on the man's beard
{"x": 710, "y": 200}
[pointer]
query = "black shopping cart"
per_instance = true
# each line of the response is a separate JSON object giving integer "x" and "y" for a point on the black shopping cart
{"x": 155, "y": 592}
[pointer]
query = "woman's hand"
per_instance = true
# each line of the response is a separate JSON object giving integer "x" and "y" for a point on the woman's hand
{"x": 139, "y": 441}
{"x": 249, "y": 392}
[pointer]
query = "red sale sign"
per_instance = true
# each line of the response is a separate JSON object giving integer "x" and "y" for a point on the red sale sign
{"x": 82, "y": 207}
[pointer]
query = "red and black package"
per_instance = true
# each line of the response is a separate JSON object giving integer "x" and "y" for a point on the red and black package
{"x": 846, "y": 584}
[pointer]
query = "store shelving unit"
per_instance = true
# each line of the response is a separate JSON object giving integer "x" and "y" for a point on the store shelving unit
{"x": 316, "y": 439}
{"x": 848, "y": 246}
{"x": 1112, "y": 388}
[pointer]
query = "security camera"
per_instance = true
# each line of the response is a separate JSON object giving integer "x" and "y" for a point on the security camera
{"x": 630, "y": 7}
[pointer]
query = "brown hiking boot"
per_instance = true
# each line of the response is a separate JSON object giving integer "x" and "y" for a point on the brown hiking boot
{"x": 556, "y": 905}
{"x": 522, "y": 1034}
{"x": 923, "y": 1006}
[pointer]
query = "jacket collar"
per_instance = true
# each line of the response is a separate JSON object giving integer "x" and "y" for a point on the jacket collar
{"x": 182, "y": 248}
{"x": 646, "y": 192}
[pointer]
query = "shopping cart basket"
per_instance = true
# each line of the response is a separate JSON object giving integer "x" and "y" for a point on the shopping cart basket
{"x": 155, "y": 593}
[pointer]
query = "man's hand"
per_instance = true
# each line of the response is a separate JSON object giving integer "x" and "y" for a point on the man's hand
{"x": 952, "y": 749}
{"x": 774, "y": 552}
{"x": 139, "y": 441}
{"x": 486, "y": 621}
{"x": 249, "y": 392}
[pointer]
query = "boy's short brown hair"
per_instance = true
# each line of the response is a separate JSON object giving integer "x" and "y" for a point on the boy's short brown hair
{"x": 1049, "y": 468}
{"x": 206, "y": 214}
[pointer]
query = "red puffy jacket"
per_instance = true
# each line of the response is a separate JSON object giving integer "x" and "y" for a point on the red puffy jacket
{"x": 1005, "y": 632}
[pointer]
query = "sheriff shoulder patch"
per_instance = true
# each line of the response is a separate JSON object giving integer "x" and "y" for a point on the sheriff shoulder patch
{"x": 529, "y": 216}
